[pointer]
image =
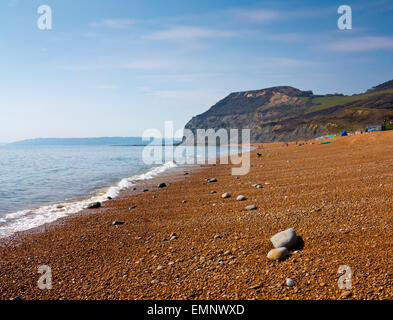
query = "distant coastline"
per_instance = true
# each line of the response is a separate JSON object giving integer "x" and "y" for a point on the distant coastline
{"x": 104, "y": 141}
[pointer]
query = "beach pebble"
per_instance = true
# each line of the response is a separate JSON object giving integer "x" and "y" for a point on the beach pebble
{"x": 257, "y": 286}
{"x": 162, "y": 185}
{"x": 145, "y": 190}
{"x": 225, "y": 195}
{"x": 287, "y": 238}
{"x": 133, "y": 207}
{"x": 251, "y": 207}
{"x": 278, "y": 254}
{"x": 109, "y": 198}
{"x": 212, "y": 180}
{"x": 117, "y": 222}
{"x": 160, "y": 268}
{"x": 173, "y": 236}
{"x": 289, "y": 282}
{"x": 213, "y": 192}
{"x": 241, "y": 198}
{"x": 94, "y": 205}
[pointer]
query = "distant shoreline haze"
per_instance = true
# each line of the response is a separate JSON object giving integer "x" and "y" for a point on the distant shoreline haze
{"x": 115, "y": 141}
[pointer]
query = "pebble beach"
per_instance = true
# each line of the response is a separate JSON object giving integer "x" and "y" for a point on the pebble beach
{"x": 196, "y": 238}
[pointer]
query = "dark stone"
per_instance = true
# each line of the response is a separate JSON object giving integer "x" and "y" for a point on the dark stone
{"x": 212, "y": 180}
{"x": 162, "y": 185}
{"x": 133, "y": 207}
{"x": 117, "y": 222}
{"x": 94, "y": 205}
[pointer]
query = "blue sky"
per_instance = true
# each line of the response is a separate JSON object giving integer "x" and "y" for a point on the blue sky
{"x": 118, "y": 67}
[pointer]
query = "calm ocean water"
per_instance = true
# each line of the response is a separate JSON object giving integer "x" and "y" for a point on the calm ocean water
{"x": 39, "y": 184}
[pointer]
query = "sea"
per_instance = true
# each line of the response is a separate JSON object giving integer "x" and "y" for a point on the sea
{"x": 40, "y": 184}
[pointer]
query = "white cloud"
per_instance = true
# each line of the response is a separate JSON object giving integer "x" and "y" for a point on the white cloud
{"x": 360, "y": 44}
{"x": 262, "y": 15}
{"x": 188, "y": 33}
{"x": 257, "y": 15}
{"x": 113, "y": 23}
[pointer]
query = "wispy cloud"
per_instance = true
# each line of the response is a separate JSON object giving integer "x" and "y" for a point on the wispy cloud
{"x": 360, "y": 44}
{"x": 113, "y": 23}
{"x": 258, "y": 15}
{"x": 267, "y": 15}
{"x": 188, "y": 33}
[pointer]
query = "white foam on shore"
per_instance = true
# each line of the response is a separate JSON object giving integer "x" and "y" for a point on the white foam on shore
{"x": 27, "y": 219}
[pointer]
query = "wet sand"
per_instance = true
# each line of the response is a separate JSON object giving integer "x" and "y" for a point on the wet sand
{"x": 338, "y": 197}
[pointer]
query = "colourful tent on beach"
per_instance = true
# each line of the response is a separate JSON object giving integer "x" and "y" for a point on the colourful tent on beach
{"x": 344, "y": 133}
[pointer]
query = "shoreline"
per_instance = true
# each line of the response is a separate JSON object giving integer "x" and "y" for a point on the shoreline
{"x": 220, "y": 249}
{"x": 169, "y": 175}
{"x": 101, "y": 195}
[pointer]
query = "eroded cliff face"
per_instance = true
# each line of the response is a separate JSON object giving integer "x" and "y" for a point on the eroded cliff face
{"x": 267, "y": 113}
{"x": 287, "y": 114}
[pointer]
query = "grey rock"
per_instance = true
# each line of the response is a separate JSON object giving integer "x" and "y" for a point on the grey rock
{"x": 241, "y": 198}
{"x": 133, "y": 207}
{"x": 225, "y": 195}
{"x": 94, "y": 205}
{"x": 213, "y": 192}
{"x": 212, "y": 180}
{"x": 287, "y": 239}
{"x": 289, "y": 282}
{"x": 251, "y": 207}
{"x": 117, "y": 222}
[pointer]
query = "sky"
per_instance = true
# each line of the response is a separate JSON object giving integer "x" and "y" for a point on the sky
{"x": 120, "y": 67}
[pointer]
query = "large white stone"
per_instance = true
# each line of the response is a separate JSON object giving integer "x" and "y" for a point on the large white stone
{"x": 287, "y": 239}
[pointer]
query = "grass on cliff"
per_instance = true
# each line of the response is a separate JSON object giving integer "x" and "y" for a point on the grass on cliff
{"x": 322, "y": 103}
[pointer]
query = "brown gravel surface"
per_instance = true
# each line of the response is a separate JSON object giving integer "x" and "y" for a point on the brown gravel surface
{"x": 338, "y": 198}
